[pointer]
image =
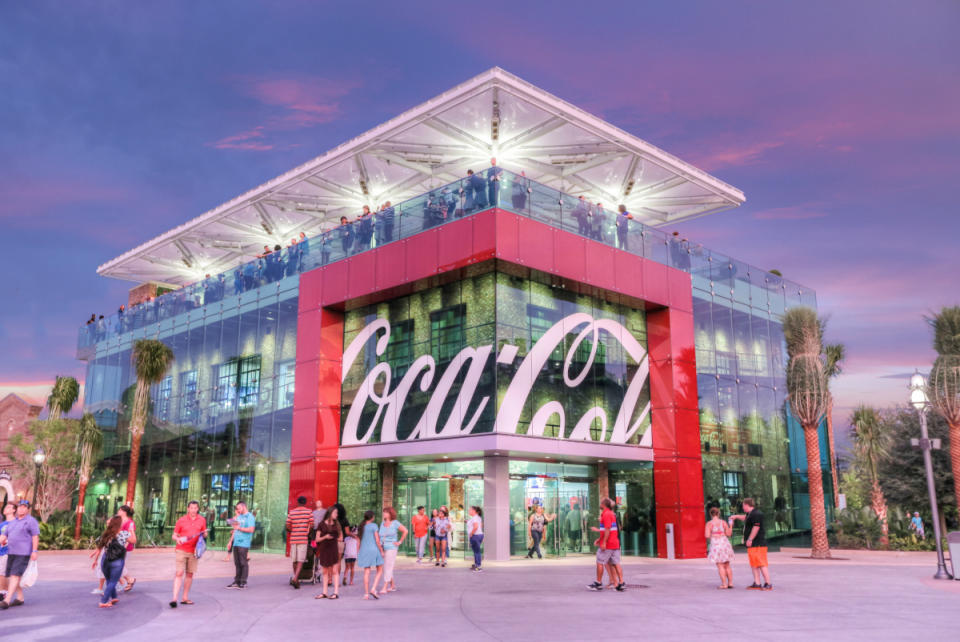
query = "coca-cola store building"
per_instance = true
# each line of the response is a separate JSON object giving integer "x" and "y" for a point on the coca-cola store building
{"x": 488, "y": 340}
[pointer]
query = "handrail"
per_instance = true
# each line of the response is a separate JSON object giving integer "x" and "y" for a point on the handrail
{"x": 490, "y": 188}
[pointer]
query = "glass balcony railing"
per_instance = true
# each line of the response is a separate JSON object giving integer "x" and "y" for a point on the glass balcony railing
{"x": 711, "y": 272}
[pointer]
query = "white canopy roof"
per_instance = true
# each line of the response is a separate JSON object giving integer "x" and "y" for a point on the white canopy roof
{"x": 495, "y": 114}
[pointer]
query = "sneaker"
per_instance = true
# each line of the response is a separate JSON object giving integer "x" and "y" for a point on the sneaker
{"x": 767, "y": 587}
{"x": 95, "y": 591}
{"x": 620, "y": 588}
{"x": 473, "y": 567}
{"x": 595, "y": 586}
{"x": 241, "y": 586}
{"x": 754, "y": 587}
{"x": 437, "y": 564}
{"x": 478, "y": 570}
{"x": 233, "y": 585}
{"x": 444, "y": 565}
{"x": 296, "y": 583}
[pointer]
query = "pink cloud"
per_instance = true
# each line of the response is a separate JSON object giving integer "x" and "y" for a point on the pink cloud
{"x": 39, "y": 194}
{"x": 249, "y": 139}
{"x": 792, "y": 213}
{"x": 301, "y": 102}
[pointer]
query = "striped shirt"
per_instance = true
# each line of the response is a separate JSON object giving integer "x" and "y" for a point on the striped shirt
{"x": 299, "y": 521}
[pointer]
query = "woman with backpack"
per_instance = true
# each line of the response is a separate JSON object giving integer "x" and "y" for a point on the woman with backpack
{"x": 113, "y": 543}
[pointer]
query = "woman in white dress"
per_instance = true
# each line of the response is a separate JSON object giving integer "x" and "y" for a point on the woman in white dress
{"x": 721, "y": 552}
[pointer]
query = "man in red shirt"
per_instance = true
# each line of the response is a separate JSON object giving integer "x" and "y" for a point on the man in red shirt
{"x": 299, "y": 521}
{"x": 421, "y": 527}
{"x": 187, "y": 531}
{"x": 608, "y": 548}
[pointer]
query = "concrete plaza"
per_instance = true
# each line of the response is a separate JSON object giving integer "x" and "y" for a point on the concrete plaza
{"x": 868, "y": 596}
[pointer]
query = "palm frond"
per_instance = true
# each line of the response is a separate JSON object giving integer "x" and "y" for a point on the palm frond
{"x": 151, "y": 360}
{"x": 946, "y": 330}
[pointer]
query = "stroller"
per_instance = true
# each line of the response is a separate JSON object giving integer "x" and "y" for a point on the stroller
{"x": 308, "y": 572}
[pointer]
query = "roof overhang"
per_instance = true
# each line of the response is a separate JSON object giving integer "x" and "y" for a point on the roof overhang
{"x": 495, "y": 114}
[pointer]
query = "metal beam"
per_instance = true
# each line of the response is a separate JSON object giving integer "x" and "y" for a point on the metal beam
{"x": 533, "y": 133}
{"x": 455, "y": 132}
{"x": 330, "y": 186}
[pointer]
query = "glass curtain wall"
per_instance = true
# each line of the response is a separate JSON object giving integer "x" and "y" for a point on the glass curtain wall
{"x": 741, "y": 381}
{"x": 220, "y": 421}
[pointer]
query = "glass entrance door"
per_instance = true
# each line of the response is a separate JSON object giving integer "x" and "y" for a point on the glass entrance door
{"x": 531, "y": 494}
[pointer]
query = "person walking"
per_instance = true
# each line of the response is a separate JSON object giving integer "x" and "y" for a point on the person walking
{"x": 755, "y": 539}
{"x": 721, "y": 552}
{"x": 113, "y": 545}
{"x": 329, "y": 536}
{"x": 244, "y": 524}
{"x": 126, "y": 514}
{"x": 536, "y": 528}
{"x": 351, "y": 546}
{"x": 475, "y": 535}
{"x": 916, "y": 525}
{"x": 319, "y": 513}
{"x": 434, "y": 516}
{"x": 21, "y": 536}
{"x": 390, "y": 545}
{"x": 299, "y": 521}
{"x": 442, "y": 528}
{"x": 608, "y": 548}
{"x": 9, "y": 510}
{"x": 186, "y": 532}
{"x": 420, "y": 524}
{"x": 370, "y": 554}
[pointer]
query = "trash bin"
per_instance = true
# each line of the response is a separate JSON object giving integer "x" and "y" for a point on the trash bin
{"x": 953, "y": 543}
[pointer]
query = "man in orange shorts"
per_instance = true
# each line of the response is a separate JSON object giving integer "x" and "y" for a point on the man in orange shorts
{"x": 755, "y": 539}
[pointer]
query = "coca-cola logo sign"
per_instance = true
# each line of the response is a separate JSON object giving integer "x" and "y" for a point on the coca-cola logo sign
{"x": 378, "y": 389}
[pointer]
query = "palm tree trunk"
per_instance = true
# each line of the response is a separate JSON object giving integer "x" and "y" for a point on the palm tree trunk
{"x": 137, "y": 421}
{"x": 833, "y": 454}
{"x": 818, "y": 514}
{"x": 955, "y": 461}
{"x": 81, "y": 495}
{"x": 879, "y": 505}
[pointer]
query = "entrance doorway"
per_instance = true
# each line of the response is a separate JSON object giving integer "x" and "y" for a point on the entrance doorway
{"x": 456, "y": 485}
{"x": 566, "y": 493}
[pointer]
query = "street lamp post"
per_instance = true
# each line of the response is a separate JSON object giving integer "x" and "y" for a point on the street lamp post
{"x": 38, "y": 457}
{"x": 920, "y": 401}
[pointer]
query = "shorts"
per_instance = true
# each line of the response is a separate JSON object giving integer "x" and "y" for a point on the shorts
{"x": 349, "y": 560}
{"x": 186, "y": 561}
{"x": 298, "y": 552}
{"x": 440, "y": 538}
{"x": 16, "y": 565}
{"x": 757, "y": 556}
{"x": 608, "y": 556}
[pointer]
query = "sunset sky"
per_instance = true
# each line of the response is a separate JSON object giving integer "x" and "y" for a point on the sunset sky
{"x": 839, "y": 121}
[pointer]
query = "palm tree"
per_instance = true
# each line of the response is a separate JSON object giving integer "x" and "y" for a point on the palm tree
{"x": 944, "y": 386}
{"x": 89, "y": 442}
{"x": 809, "y": 394}
{"x": 872, "y": 445}
{"x": 834, "y": 355}
{"x": 151, "y": 360}
{"x": 64, "y": 394}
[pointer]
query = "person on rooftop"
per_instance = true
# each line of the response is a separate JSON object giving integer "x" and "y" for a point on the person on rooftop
{"x": 623, "y": 226}
{"x": 345, "y": 234}
{"x": 493, "y": 183}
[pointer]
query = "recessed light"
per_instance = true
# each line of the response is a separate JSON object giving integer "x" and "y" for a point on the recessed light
{"x": 445, "y": 457}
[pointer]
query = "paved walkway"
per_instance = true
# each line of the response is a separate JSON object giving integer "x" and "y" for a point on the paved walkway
{"x": 874, "y": 596}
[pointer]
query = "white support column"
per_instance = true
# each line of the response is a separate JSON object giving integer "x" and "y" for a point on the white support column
{"x": 496, "y": 508}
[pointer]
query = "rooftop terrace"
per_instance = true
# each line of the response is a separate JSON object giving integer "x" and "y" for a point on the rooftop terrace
{"x": 713, "y": 273}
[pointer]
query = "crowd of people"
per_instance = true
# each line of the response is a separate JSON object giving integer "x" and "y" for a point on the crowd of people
{"x": 325, "y": 547}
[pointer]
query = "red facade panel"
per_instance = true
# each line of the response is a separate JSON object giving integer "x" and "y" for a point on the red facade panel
{"x": 389, "y": 269}
{"x": 421, "y": 251}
